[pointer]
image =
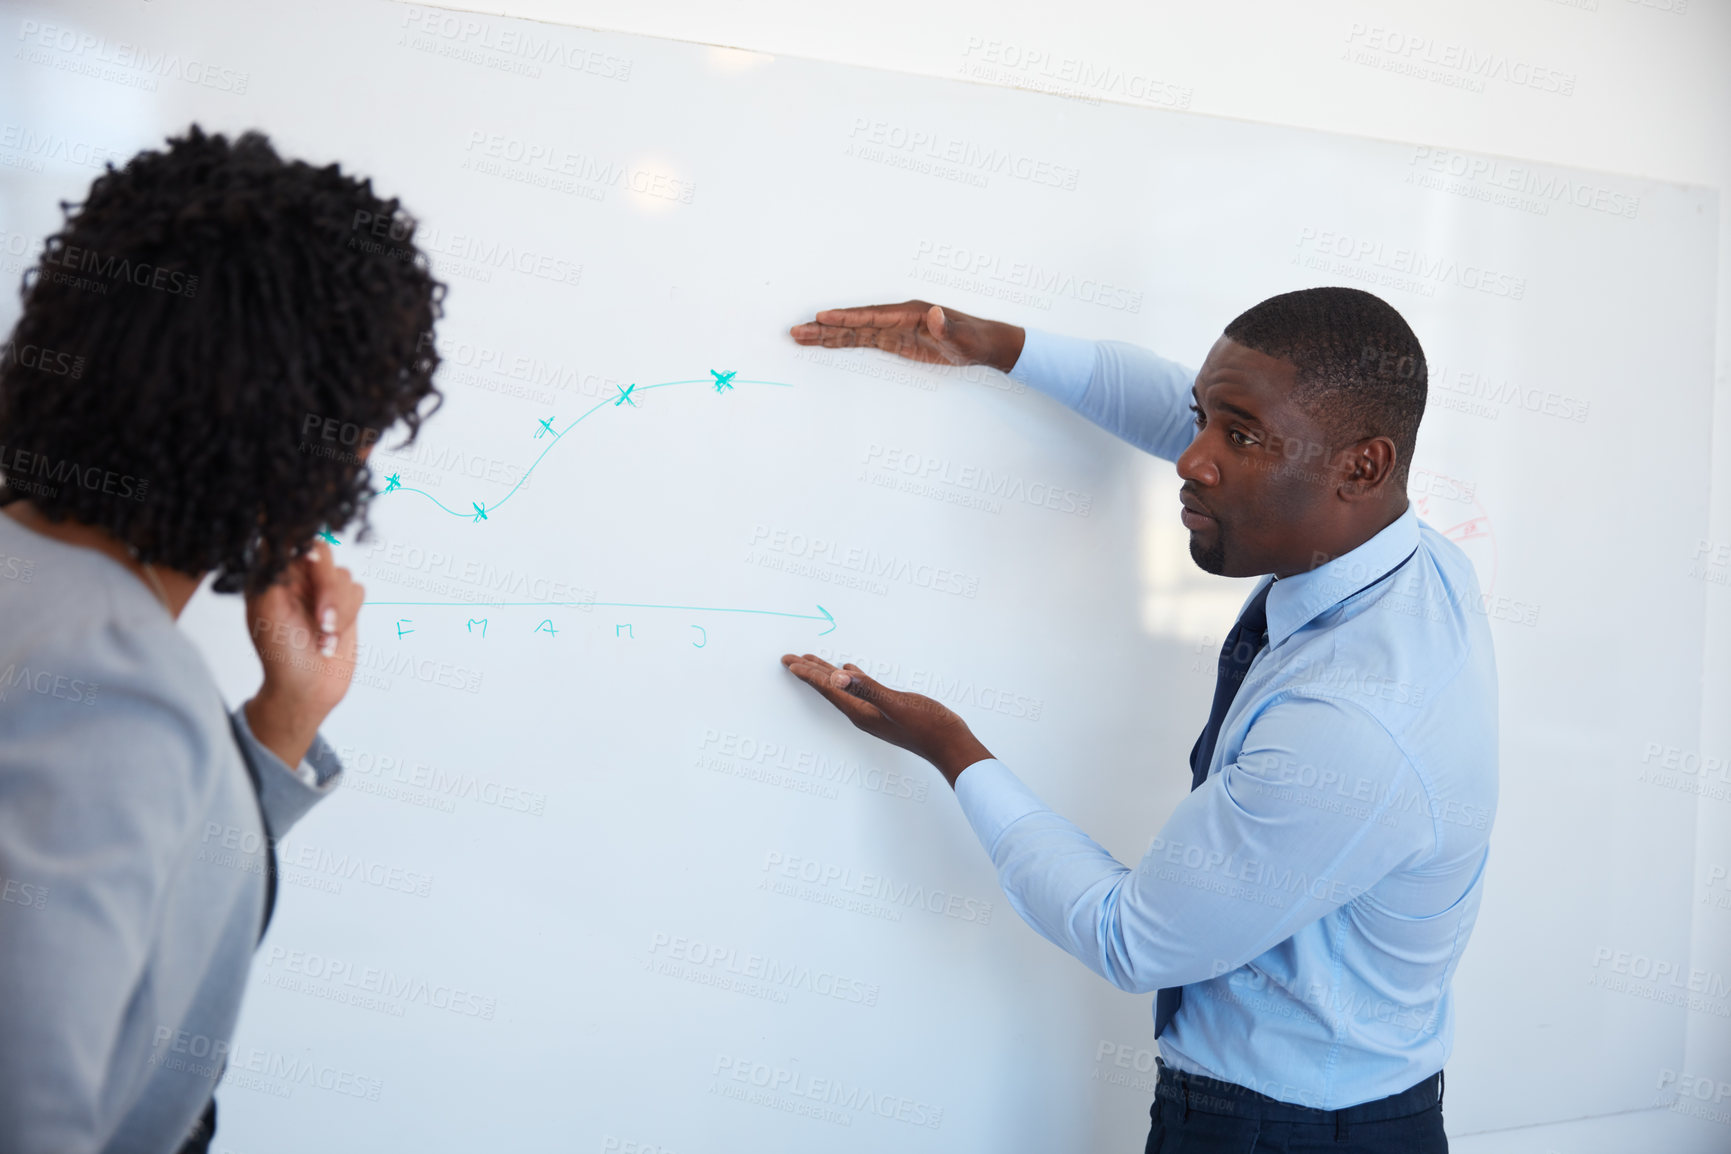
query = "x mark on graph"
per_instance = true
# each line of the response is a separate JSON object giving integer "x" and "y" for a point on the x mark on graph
{"x": 625, "y": 395}
{"x": 723, "y": 380}
{"x": 546, "y": 427}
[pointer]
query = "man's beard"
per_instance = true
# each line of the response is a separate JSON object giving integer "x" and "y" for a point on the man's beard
{"x": 1211, "y": 558}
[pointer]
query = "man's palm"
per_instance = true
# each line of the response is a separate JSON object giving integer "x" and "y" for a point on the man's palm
{"x": 917, "y": 330}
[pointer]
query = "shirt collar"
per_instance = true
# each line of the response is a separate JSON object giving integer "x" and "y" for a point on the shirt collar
{"x": 1297, "y": 600}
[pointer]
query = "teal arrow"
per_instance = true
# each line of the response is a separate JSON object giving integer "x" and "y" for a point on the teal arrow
{"x": 822, "y": 614}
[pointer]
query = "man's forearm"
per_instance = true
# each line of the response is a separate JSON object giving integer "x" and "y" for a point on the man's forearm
{"x": 1127, "y": 390}
{"x": 954, "y": 758}
{"x": 1004, "y": 346}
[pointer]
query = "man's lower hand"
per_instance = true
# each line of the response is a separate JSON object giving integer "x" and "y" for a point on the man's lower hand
{"x": 917, "y": 724}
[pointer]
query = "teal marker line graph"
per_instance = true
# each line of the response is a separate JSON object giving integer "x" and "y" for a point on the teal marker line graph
{"x": 481, "y": 511}
{"x": 822, "y": 614}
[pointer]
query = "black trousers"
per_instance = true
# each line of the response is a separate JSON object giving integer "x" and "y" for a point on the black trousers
{"x": 1197, "y": 1115}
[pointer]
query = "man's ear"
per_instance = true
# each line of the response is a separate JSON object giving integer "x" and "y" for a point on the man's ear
{"x": 1366, "y": 467}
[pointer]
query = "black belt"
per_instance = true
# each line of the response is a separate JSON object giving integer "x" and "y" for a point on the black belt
{"x": 1211, "y": 1096}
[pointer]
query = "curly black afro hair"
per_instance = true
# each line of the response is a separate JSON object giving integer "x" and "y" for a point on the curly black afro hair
{"x": 206, "y": 346}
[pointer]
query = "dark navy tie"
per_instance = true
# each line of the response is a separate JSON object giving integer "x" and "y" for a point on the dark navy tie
{"x": 1242, "y": 645}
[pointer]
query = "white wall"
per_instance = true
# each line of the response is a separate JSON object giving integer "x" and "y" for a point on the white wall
{"x": 1651, "y": 96}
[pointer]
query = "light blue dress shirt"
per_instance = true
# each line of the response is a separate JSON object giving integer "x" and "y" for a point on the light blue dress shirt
{"x": 1314, "y": 895}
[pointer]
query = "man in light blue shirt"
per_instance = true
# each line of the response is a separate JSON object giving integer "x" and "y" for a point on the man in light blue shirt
{"x": 1303, "y": 910}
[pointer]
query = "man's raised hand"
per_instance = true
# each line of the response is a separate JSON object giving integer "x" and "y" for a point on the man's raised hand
{"x": 917, "y": 330}
{"x": 917, "y": 724}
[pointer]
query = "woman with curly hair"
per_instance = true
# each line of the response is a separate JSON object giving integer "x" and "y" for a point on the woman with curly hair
{"x": 208, "y": 348}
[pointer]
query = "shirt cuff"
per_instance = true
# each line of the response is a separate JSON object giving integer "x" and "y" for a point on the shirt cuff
{"x": 287, "y": 793}
{"x": 1058, "y": 366}
{"x": 993, "y": 799}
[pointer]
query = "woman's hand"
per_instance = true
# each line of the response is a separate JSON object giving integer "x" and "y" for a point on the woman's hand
{"x": 304, "y": 630}
{"x": 917, "y": 724}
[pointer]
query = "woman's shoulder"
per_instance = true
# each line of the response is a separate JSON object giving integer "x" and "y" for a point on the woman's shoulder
{"x": 88, "y": 654}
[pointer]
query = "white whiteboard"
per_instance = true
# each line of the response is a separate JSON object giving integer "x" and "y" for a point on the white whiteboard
{"x": 558, "y": 902}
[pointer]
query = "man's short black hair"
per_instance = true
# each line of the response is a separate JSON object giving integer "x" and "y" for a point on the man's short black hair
{"x": 1361, "y": 371}
{"x": 205, "y": 346}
